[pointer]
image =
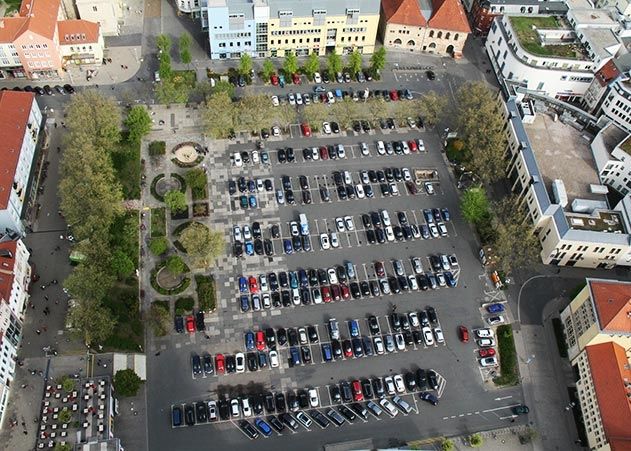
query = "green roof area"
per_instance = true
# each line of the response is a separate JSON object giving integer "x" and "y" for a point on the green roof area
{"x": 626, "y": 145}
{"x": 529, "y": 39}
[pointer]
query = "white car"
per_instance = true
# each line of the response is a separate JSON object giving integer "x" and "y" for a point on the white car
{"x": 255, "y": 157}
{"x": 407, "y": 175}
{"x": 275, "y": 101}
{"x": 315, "y": 154}
{"x": 400, "y": 342}
{"x": 335, "y": 242}
{"x": 294, "y": 229}
{"x": 406, "y": 148}
{"x": 247, "y": 233}
{"x": 381, "y": 148}
{"x": 240, "y": 362}
{"x": 275, "y": 130}
{"x": 245, "y": 407}
{"x": 413, "y": 282}
{"x": 421, "y": 145}
{"x": 314, "y": 399}
{"x": 348, "y": 222}
{"x": 330, "y": 97}
{"x": 433, "y": 230}
{"x": 389, "y": 233}
{"x": 267, "y": 301}
{"x": 442, "y": 228}
{"x": 429, "y": 188}
{"x": 394, "y": 189}
{"x": 339, "y": 224}
{"x": 280, "y": 197}
{"x": 348, "y": 178}
{"x": 486, "y": 342}
{"x": 317, "y": 78}
{"x": 325, "y": 243}
{"x": 235, "y": 410}
{"x": 299, "y": 99}
{"x": 332, "y": 276}
{"x": 414, "y": 322}
{"x": 484, "y": 333}
{"x": 236, "y": 159}
{"x": 411, "y": 122}
{"x": 295, "y": 296}
{"x": 236, "y": 232}
{"x": 316, "y": 295}
{"x": 398, "y": 383}
{"x": 273, "y": 359}
{"x": 388, "y": 407}
{"x": 302, "y": 336}
{"x": 385, "y": 216}
{"x": 493, "y": 320}
{"x": 359, "y": 189}
{"x": 428, "y": 338}
{"x": 488, "y": 361}
{"x": 364, "y": 149}
{"x": 326, "y": 128}
{"x": 438, "y": 333}
{"x": 259, "y": 185}
{"x": 444, "y": 262}
{"x": 388, "y": 382}
{"x": 292, "y": 99}
{"x": 341, "y": 153}
{"x": 378, "y": 342}
{"x": 263, "y": 282}
{"x": 417, "y": 265}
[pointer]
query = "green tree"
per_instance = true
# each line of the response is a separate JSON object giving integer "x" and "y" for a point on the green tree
{"x": 432, "y": 107}
{"x": 175, "y": 200}
{"x": 447, "y": 445}
{"x": 334, "y": 64}
{"x": 218, "y": 115}
{"x": 225, "y": 87}
{"x": 196, "y": 179}
{"x": 202, "y": 244}
{"x": 62, "y": 447}
{"x": 378, "y": 61}
{"x": 185, "y": 48}
{"x": 164, "y": 67}
{"x": 346, "y": 111}
{"x": 245, "y": 64}
{"x": 170, "y": 92}
{"x": 92, "y": 320}
{"x": 138, "y": 123}
{"x": 126, "y": 382}
{"x": 515, "y": 244}
{"x": 163, "y": 42}
{"x": 475, "y": 205}
{"x": 89, "y": 281}
{"x": 121, "y": 264}
{"x": 377, "y": 108}
{"x": 475, "y": 440}
{"x": 268, "y": 70}
{"x": 284, "y": 115}
{"x": 175, "y": 265}
{"x": 253, "y": 112}
{"x": 93, "y": 119}
{"x": 486, "y": 145}
{"x": 159, "y": 246}
{"x": 290, "y": 65}
{"x": 402, "y": 110}
{"x": 354, "y": 62}
{"x": 65, "y": 415}
{"x": 160, "y": 320}
{"x": 312, "y": 65}
{"x": 315, "y": 114}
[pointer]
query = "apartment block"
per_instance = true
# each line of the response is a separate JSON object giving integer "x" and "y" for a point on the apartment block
{"x": 553, "y": 55}
{"x": 612, "y": 153}
{"x": 20, "y": 122}
{"x": 270, "y": 28}
{"x": 552, "y": 171}
{"x": 484, "y": 11}
{"x": 107, "y": 13}
{"x": 38, "y": 42}
{"x": 15, "y": 277}
{"x": 438, "y": 26}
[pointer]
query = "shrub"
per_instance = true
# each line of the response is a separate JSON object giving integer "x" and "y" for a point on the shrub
{"x": 184, "y": 304}
{"x": 158, "y": 222}
{"x": 175, "y": 265}
{"x": 184, "y": 284}
{"x": 159, "y": 318}
{"x": 475, "y": 440}
{"x": 159, "y": 245}
{"x": 508, "y": 356}
{"x": 206, "y": 296}
{"x": 157, "y": 148}
{"x": 68, "y": 384}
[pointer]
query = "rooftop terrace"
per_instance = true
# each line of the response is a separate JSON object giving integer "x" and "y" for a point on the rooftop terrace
{"x": 526, "y": 30}
{"x": 599, "y": 221}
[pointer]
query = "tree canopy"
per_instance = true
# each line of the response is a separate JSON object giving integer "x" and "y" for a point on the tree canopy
{"x": 312, "y": 65}
{"x": 127, "y": 382}
{"x": 334, "y": 63}
{"x": 202, "y": 244}
{"x": 378, "y": 60}
{"x": 175, "y": 200}
{"x": 474, "y": 205}
{"x": 354, "y": 62}
{"x": 218, "y": 115}
{"x": 245, "y": 64}
{"x": 185, "y": 48}
{"x": 290, "y": 65}
{"x": 268, "y": 69}
{"x": 138, "y": 123}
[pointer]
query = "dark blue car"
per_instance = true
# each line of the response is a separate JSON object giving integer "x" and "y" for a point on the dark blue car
{"x": 243, "y": 284}
{"x": 495, "y": 308}
{"x": 288, "y": 247}
{"x": 446, "y": 215}
{"x": 245, "y": 303}
{"x": 253, "y": 202}
{"x": 249, "y": 340}
{"x": 449, "y": 277}
{"x": 262, "y": 426}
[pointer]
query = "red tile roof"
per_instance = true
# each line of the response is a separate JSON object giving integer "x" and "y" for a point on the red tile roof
{"x": 449, "y": 15}
{"x": 11, "y": 28}
{"x": 608, "y": 72}
{"x": 15, "y": 108}
{"x": 6, "y": 269}
{"x": 84, "y": 32}
{"x": 36, "y": 16}
{"x": 612, "y": 300}
{"x": 610, "y": 367}
{"x": 403, "y": 12}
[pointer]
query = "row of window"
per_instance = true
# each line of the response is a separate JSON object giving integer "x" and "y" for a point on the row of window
{"x": 40, "y": 64}
{"x": 225, "y": 36}
{"x": 36, "y": 55}
{"x": 37, "y": 46}
{"x": 439, "y": 35}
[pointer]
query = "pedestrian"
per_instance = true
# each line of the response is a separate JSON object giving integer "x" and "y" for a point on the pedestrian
{"x": 157, "y": 353}
{"x": 25, "y": 432}
{"x": 38, "y": 331}
{"x": 43, "y": 287}
{"x": 56, "y": 301}
{"x": 46, "y": 297}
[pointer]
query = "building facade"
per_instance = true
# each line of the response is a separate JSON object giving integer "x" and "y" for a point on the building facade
{"x": 20, "y": 122}
{"x": 612, "y": 153}
{"x": 439, "y": 27}
{"x": 270, "y": 28}
{"x": 484, "y": 11}
{"x": 15, "y": 277}
{"x": 31, "y": 45}
{"x": 107, "y": 13}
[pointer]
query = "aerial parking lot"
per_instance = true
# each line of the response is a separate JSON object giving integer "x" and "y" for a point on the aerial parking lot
{"x": 350, "y": 273}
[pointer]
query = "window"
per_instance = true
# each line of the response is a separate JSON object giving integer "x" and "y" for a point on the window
{"x": 319, "y": 17}
{"x": 440, "y": 35}
{"x": 94, "y": 8}
{"x": 456, "y": 37}
{"x": 431, "y": 33}
{"x": 352, "y": 16}
{"x": 448, "y": 35}
{"x": 285, "y": 18}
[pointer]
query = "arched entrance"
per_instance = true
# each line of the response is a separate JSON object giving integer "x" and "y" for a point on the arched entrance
{"x": 411, "y": 43}
{"x": 397, "y": 41}
{"x": 450, "y": 49}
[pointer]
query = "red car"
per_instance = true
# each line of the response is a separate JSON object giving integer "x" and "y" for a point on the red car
{"x": 394, "y": 95}
{"x": 274, "y": 79}
{"x": 412, "y": 145}
{"x": 324, "y": 153}
{"x": 380, "y": 270}
{"x": 260, "y": 340}
{"x": 357, "y": 391}
{"x": 306, "y": 130}
{"x": 347, "y": 347}
{"x": 486, "y": 352}
{"x": 326, "y": 294}
{"x": 346, "y": 293}
{"x": 463, "y": 333}
{"x": 295, "y": 78}
{"x": 254, "y": 286}
{"x": 337, "y": 294}
{"x": 190, "y": 323}
{"x": 220, "y": 363}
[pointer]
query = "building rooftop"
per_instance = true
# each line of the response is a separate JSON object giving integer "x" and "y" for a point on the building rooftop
{"x": 626, "y": 145}
{"x": 441, "y": 14}
{"x": 611, "y": 373}
{"x": 526, "y": 28}
{"x": 612, "y": 303}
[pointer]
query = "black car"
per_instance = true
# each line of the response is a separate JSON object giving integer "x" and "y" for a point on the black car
{"x": 417, "y": 336}
{"x": 196, "y": 363}
{"x": 355, "y": 291}
{"x": 313, "y": 334}
{"x": 289, "y": 196}
{"x": 365, "y": 288}
{"x": 292, "y": 336}
{"x": 347, "y": 394}
{"x": 280, "y": 402}
{"x": 348, "y": 413}
{"x": 303, "y": 399}
{"x": 394, "y": 285}
{"x": 306, "y": 354}
{"x": 322, "y": 277}
{"x": 290, "y": 155}
{"x": 410, "y": 381}
{"x": 48, "y": 90}
{"x": 224, "y": 409}
{"x": 306, "y": 197}
{"x": 305, "y": 296}
{"x": 341, "y": 192}
{"x": 286, "y": 298}
{"x": 365, "y": 126}
{"x": 357, "y": 126}
{"x": 231, "y": 364}
{"x": 430, "y": 75}
{"x": 189, "y": 415}
{"x": 243, "y": 185}
{"x": 397, "y": 174}
{"x": 296, "y": 243}
{"x": 350, "y": 191}
{"x": 358, "y": 349}
{"x": 377, "y": 386}
{"x": 421, "y": 379}
{"x": 373, "y": 325}
{"x": 245, "y": 156}
{"x": 258, "y": 247}
{"x": 283, "y": 279}
{"x": 398, "y": 233}
{"x": 276, "y": 302}
{"x": 324, "y": 194}
{"x": 270, "y": 338}
{"x": 257, "y": 404}
{"x": 367, "y": 388}
{"x": 374, "y": 288}
{"x": 313, "y": 277}
{"x": 335, "y": 128}
{"x": 367, "y": 343}
{"x": 292, "y": 401}
{"x": 281, "y": 155}
{"x": 264, "y": 133}
{"x": 431, "y": 314}
{"x": 275, "y": 231}
{"x": 395, "y": 322}
{"x": 252, "y": 361}
{"x": 201, "y": 412}
{"x": 432, "y": 379}
{"x": 232, "y": 187}
{"x": 207, "y": 364}
{"x": 69, "y": 89}
{"x": 179, "y": 324}
{"x": 390, "y": 123}
{"x": 337, "y": 349}
{"x": 275, "y": 423}
{"x": 335, "y": 393}
{"x": 370, "y": 236}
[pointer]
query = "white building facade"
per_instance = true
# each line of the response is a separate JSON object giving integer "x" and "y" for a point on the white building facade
{"x": 107, "y": 13}
{"x": 20, "y": 121}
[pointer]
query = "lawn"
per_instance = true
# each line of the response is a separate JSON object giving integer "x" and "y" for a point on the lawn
{"x": 508, "y": 356}
{"x": 529, "y": 39}
{"x": 127, "y": 166}
{"x": 158, "y": 222}
{"x": 12, "y": 6}
{"x": 206, "y": 297}
{"x": 186, "y": 78}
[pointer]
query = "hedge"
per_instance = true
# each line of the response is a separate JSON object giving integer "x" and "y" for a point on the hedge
{"x": 158, "y": 222}
{"x": 508, "y": 356}
{"x": 206, "y": 296}
{"x": 154, "y": 182}
{"x": 180, "y": 179}
{"x": 184, "y": 284}
{"x": 157, "y": 148}
{"x": 184, "y": 304}
{"x": 198, "y": 160}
